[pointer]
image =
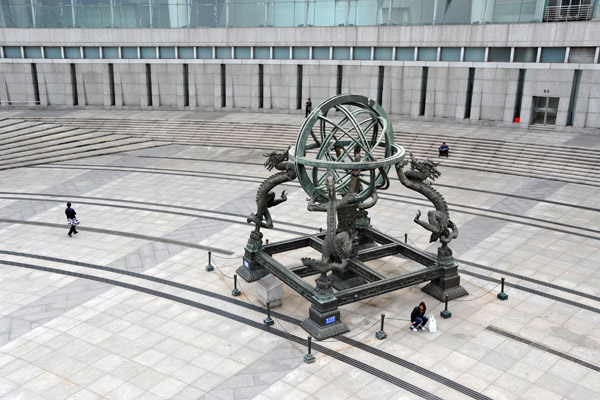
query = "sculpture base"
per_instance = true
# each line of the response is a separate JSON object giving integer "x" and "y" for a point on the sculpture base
{"x": 251, "y": 270}
{"x": 323, "y": 325}
{"x": 251, "y": 276}
{"x": 440, "y": 293}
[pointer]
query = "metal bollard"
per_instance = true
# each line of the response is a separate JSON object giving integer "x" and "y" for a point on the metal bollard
{"x": 502, "y": 295}
{"x": 235, "y": 291}
{"x": 380, "y": 334}
{"x": 308, "y": 357}
{"x": 267, "y": 240}
{"x": 209, "y": 267}
{"x": 446, "y": 314}
{"x": 268, "y": 321}
{"x": 406, "y": 238}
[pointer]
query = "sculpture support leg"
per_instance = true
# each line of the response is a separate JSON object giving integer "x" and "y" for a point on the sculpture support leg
{"x": 251, "y": 270}
{"x": 447, "y": 284}
{"x": 323, "y": 324}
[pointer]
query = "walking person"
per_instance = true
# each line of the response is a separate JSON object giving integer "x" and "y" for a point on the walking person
{"x": 308, "y": 107}
{"x": 418, "y": 319}
{"x": 71, "y": 219}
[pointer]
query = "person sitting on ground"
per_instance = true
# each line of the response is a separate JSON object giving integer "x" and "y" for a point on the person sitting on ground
{"x": 444, "y": 150}
{"x": 418, "y": 319}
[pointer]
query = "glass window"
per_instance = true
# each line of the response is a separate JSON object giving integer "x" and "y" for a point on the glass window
{"x": 262, "y": 53}
{"x": 242, "y": 52}
{"x": 450, "y": 54}
{"x": 300, "y": 53}
{"x": 167, "y": 52}
{"x": 224, "y": 52}
{"x": 205, "y": 52}
{"x": 507, "y": 11}
{"x": 52, "y": 52}
{"x": 366, "y": 13}
{"x": 320, "y": 53}
{"x": 72, "y": 52}
{"x": 33, "y": 52}
{"x": 12, "y": 52}
{"x": 475, "y": 54}
{"x": 149, "y": 52}
{"x": 110, "y": 52}
{"x": 405, "y": 53}
{"x": 91, "y": 52}
{"x": 499, "y": 54}
{"x": 362, "y": 53}
{"x": 325, "y": 12}
{"x": 341, "y": 53}
{"x": 281, "y": 53}
{"x": 129, "y": 52}
{"x": 427, "y": 54}
{"x": 526, "y": 54}
{"x": 584, "y": 55}
{"x": 186, "y": 52}
{"x": 454, "y": 12}
{"x": 553, "y": 55}
{"x": 383, "y": 53}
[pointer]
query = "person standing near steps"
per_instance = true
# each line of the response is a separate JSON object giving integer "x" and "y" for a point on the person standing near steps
{"x": 71, "y": 219}
{"x": 308, "y": 107}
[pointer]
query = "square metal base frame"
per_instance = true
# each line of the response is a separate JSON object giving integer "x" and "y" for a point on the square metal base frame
{"x": 359, "y": 283}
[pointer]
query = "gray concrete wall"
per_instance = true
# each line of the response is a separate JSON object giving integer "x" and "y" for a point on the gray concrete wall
{"x": 54, "y": 84}
{"x": 576, "y": 34}
{"x": 92, "y": 84}
{"x": 16, "y": 83}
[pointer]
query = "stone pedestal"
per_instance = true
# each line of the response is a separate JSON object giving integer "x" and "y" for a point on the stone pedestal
{"x": 269, "y": 290}
{"x": 324, "y": 324}
{"x": 251, "y": 270}
{"x": 447, "y": 284}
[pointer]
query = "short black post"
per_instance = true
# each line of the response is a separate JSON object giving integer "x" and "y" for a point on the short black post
{"x": 235, "y": 291}
{"x": 380, "y": 334}
{"x": 209, "y": 267}
{"x": 267, "y": 240}
{"x": 502, "y": 295}
{"x": 308, "y": 357}
{"x": 320, "y": 229}
{"x": 268, "y": 321}
{"x": 446, "y": 314}
{"x": 406, "y": 238}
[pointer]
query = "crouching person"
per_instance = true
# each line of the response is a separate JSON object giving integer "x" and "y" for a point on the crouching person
{"x": 418, "y": 319}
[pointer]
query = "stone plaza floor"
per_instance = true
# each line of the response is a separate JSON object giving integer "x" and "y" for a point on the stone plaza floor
{"x": 126, "y": 310}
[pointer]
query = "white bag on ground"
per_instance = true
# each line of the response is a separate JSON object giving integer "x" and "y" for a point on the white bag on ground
{"x": 432, "y": 324}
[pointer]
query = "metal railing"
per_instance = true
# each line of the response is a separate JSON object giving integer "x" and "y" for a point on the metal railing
{"x": 579, "y": 12}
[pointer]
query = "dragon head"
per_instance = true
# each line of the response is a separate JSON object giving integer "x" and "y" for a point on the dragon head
{"x": 427, "y": 167}
{"x": 275, "y": 158}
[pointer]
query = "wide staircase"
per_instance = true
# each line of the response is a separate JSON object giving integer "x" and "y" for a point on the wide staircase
{"x": 33, "y": 141}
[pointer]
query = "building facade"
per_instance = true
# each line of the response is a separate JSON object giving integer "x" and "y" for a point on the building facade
{"x": 495, "y": 62}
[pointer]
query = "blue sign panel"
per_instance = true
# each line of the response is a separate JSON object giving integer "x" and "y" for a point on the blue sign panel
{"x": 246, "y": 264}
{"x": 330, "y": 320}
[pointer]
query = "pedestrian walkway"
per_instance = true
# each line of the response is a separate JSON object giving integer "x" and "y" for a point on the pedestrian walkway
{"x": 126, "y": 309}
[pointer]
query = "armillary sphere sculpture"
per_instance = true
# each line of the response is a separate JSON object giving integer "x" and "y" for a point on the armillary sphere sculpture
{"x": 342, "y": 157}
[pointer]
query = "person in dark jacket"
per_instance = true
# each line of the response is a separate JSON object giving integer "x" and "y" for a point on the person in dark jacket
{"x": 308, "y": 106}
{"x": 418, "y": 319}
{"x": 71, "y": 219}
{"x": 444, "y": 149}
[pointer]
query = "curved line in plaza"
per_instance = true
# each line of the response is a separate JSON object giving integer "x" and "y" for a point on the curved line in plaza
{"x": 348, "y": 340}
{"x": 159, "y": 171}
{"x": 228, "y": 252}
{"x": 467, "y": 189}
{"x": 281, "y": 333}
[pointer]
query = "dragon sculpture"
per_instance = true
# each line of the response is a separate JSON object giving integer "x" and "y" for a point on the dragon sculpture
{"x": 265, "y": 197}
{"x": 438, "y": 220}
{"x": 338, "y": 247}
